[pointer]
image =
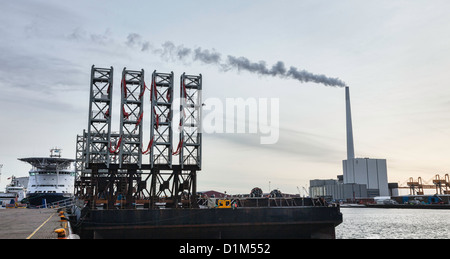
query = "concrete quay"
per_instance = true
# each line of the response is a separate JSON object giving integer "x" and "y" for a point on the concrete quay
{"x": 21, "y": 223}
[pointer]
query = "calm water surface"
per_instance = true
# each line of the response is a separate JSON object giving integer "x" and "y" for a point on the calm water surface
{"x": 375, "y": 223}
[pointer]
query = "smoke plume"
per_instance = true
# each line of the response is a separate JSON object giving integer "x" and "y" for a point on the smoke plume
{"x": 170, "y": 51}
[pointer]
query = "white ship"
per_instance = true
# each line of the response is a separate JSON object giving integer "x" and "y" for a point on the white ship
{"x": 51, "y": 178}
{"x": 15, "y": 192}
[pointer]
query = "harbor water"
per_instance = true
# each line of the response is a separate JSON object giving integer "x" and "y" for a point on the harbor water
{"x": 378, "y": 223}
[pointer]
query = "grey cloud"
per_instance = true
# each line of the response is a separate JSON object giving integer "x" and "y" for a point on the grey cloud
{"x": 41, "y": 72}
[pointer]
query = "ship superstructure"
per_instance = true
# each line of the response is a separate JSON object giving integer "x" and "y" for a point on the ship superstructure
{"x": 51, "y": 178}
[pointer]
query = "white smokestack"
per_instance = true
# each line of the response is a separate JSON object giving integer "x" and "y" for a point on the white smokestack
{"x": 350, "y": 147}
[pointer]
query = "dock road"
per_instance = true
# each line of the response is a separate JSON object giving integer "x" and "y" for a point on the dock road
{"x": 29, "y": 223}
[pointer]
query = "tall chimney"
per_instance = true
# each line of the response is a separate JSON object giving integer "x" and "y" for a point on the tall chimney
{"x": 350, "y": 147}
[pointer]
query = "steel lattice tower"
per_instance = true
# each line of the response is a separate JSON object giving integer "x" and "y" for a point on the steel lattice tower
{"x": 99, "y": 125}
{"x": 80, "y": 154}
{"x": 161, "y": 119}
{"x": 190, "y": 122}
{"x": 132, "y": 111}
{"x": 190, "y": 141}
{"x": 161, "y": 96}
{"x": 80, "y": 164}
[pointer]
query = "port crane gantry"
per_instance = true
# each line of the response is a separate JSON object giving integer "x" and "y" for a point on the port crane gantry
{"x": 440, "y": 184}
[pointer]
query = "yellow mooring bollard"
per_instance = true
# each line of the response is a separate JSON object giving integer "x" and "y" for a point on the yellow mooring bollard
{"x": 62, "y": 233}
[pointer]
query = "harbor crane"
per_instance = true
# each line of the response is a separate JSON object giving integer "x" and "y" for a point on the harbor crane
{"x": 440, "y": 184}
{"x": 305, "y": 191}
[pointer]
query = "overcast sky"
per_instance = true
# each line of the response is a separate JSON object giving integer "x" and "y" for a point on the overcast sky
{"x": 394, "y": 56}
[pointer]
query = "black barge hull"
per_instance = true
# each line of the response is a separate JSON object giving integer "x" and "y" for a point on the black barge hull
{"x": 239, "y": 223}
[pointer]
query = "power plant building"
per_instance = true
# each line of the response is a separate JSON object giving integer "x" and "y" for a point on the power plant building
{"x": 371, "y": 172}
{"x": 362, "y": 177}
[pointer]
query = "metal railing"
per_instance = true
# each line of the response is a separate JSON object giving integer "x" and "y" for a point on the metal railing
{"x": 58, "y": 204}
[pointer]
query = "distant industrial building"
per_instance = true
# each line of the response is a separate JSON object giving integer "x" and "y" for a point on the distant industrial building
{"x": 367, "y": 171}
{"x": 334, "y": 189}
{"x": 362, "y": 177}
